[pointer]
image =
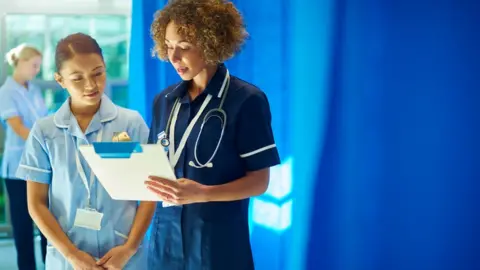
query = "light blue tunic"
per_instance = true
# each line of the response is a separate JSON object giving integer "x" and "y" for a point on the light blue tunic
{"x": 28, "y": 104}
{"x": 50, "y": 158}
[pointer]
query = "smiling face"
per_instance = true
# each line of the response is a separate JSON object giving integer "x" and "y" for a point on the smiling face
{"x": 185, "y": 57}
{"x": 84, "y": 78}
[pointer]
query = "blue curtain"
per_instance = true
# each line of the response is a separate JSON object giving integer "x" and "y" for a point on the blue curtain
{"x": 393, "y": 117}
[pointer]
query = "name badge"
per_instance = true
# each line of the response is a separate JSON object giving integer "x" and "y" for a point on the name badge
{"x": 88, "y": 219}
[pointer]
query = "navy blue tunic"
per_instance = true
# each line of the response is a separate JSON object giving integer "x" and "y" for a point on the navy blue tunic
{"x": 213, "y": 235}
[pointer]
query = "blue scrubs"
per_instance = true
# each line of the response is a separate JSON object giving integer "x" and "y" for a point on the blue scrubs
{"x": 16, "y": 100}
{"x": 213, "y": 235}
{"x": 50, "y": 158}
{"x": 28, "y": 104}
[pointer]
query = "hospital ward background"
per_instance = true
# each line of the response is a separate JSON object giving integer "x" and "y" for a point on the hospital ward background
{"x": 375, "y": 112}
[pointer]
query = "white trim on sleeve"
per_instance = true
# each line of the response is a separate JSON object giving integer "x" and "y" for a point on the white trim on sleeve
{"x": 258, "y": 151}
{"x": 9, "y": 112}
{"x": 34, "y": 169}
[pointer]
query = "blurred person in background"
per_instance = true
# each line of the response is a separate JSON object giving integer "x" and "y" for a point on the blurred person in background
{"x": 21, "y": 104}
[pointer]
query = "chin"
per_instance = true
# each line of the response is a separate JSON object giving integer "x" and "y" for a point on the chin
{"x": 186, "y": 76}
{"x": 93, "y": 101}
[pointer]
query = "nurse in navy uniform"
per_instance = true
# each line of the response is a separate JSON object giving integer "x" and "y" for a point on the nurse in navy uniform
{"x": 216, "y": 129}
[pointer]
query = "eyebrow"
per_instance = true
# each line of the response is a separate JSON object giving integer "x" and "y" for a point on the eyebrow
{"x": 78, "y": 72}
{"x": 180, "y": 41}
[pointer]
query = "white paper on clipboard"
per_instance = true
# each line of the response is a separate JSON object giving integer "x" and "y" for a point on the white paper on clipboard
{"x": 124, "y": 178}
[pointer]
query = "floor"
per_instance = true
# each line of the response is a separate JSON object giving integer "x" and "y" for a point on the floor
{"x": 8, "y": 255}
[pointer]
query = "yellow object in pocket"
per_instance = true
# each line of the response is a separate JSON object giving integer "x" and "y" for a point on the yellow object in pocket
{"x": 121, "y": 137}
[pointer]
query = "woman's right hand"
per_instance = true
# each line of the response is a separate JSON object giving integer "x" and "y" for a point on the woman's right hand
{"x": 83, "y": 261}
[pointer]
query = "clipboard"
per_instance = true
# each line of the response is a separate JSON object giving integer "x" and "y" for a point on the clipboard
{"x": 123, "y": 167}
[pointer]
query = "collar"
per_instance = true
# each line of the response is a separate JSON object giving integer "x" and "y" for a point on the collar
{"x": 64, "y": 118}
{"x": 16, "y": 85}
{"x": 213, "y": 87}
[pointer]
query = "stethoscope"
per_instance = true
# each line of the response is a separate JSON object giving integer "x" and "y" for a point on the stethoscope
{"x": 172, "y": 119}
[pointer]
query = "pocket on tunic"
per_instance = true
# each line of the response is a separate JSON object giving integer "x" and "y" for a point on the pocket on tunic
{"x": 55, "y": 260}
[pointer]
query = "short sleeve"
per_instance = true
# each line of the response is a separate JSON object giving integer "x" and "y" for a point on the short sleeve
{"x": 255, "y": 141}
{"x": 35, "y": 163}
{"x": 152, "y": 137}
{"x": 8, "y": 108}
{"x": 140, "y": 132}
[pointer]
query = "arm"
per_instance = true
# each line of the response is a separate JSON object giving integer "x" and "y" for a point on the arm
{"x": 117, "y": 257}
{"x": 253, "y": 184}
{"x": 258, "y": 152}
{"x": 10, "y": 114}
{"x": 36, "y": 167}
{"x": 17, "y": 126}
{"x": 145, "y": 209}
{"x": 37, "y": 194}
{"x": 140, "y": 225}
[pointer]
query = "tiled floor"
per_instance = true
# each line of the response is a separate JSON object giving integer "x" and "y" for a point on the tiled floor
{"x": 8, "y": 255}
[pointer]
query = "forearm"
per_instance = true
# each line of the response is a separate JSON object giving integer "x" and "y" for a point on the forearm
{"x": 140, "y": 225}
{"x": 253, "y": 184}
{"x": 22, "y": 131}
{"x": 16, "y": 124}
{"x": 50, "y": 228}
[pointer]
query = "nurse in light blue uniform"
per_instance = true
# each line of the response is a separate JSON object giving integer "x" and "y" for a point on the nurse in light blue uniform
{"x": 21, "y": 104}
{"x": 85, "y": 227}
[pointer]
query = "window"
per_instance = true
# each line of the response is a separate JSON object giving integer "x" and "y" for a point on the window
{"x": 111, "y": 32}
{"x": 44, "y": 31}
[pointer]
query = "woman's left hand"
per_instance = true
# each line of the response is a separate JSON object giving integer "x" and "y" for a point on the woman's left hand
{"x": 181, "y": 191}
{"x": 116, "y": 258}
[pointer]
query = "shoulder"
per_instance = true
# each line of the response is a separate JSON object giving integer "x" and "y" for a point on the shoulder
{"x": 245, "y": 92}
{"x": 44, "y": 127}
{"x": 129, "y": 115}
{"x": 161, "y": 97}
{"x": 6, "y": 89}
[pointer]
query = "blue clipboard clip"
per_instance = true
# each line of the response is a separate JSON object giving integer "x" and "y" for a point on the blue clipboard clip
{"x": 117, "y": 149}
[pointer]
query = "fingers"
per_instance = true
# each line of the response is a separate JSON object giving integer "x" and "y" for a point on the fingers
{"x": 104, "y": 259}
{"x": 166, "y": 197}
{"x": 163, "y": 190}
{"x": 164, "y": 182}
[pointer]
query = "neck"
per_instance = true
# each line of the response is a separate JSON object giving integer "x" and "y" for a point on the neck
{"x": 84, "y": 113}
{"x": 200, "y": 82}
{"x": 19, "y": 79}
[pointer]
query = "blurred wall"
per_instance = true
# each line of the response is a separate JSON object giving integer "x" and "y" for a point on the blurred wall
{"x": 397, "y": 175}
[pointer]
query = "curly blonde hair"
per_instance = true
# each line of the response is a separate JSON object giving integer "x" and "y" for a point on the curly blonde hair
{"x": 216, "y": 27}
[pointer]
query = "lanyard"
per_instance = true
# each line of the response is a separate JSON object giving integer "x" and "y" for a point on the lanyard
{"x": 175, "y": 155}
{"x": 81, "y": 171}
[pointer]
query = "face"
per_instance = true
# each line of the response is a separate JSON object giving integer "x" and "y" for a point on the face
{"x": 30, "y": 68}
{"x": 185, "y": 57}
{"x": 84, "y": 78}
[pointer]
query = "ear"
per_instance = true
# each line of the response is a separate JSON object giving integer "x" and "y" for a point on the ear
{"x": 59, "y": 79}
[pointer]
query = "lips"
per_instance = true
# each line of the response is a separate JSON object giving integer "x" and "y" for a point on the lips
{"x": 181, "y": 70}
{"x": 92, "y": 95}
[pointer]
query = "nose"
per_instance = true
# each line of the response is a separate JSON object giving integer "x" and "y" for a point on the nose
{"x": 175, "y": 55}
{"x": 90, "y": 84}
